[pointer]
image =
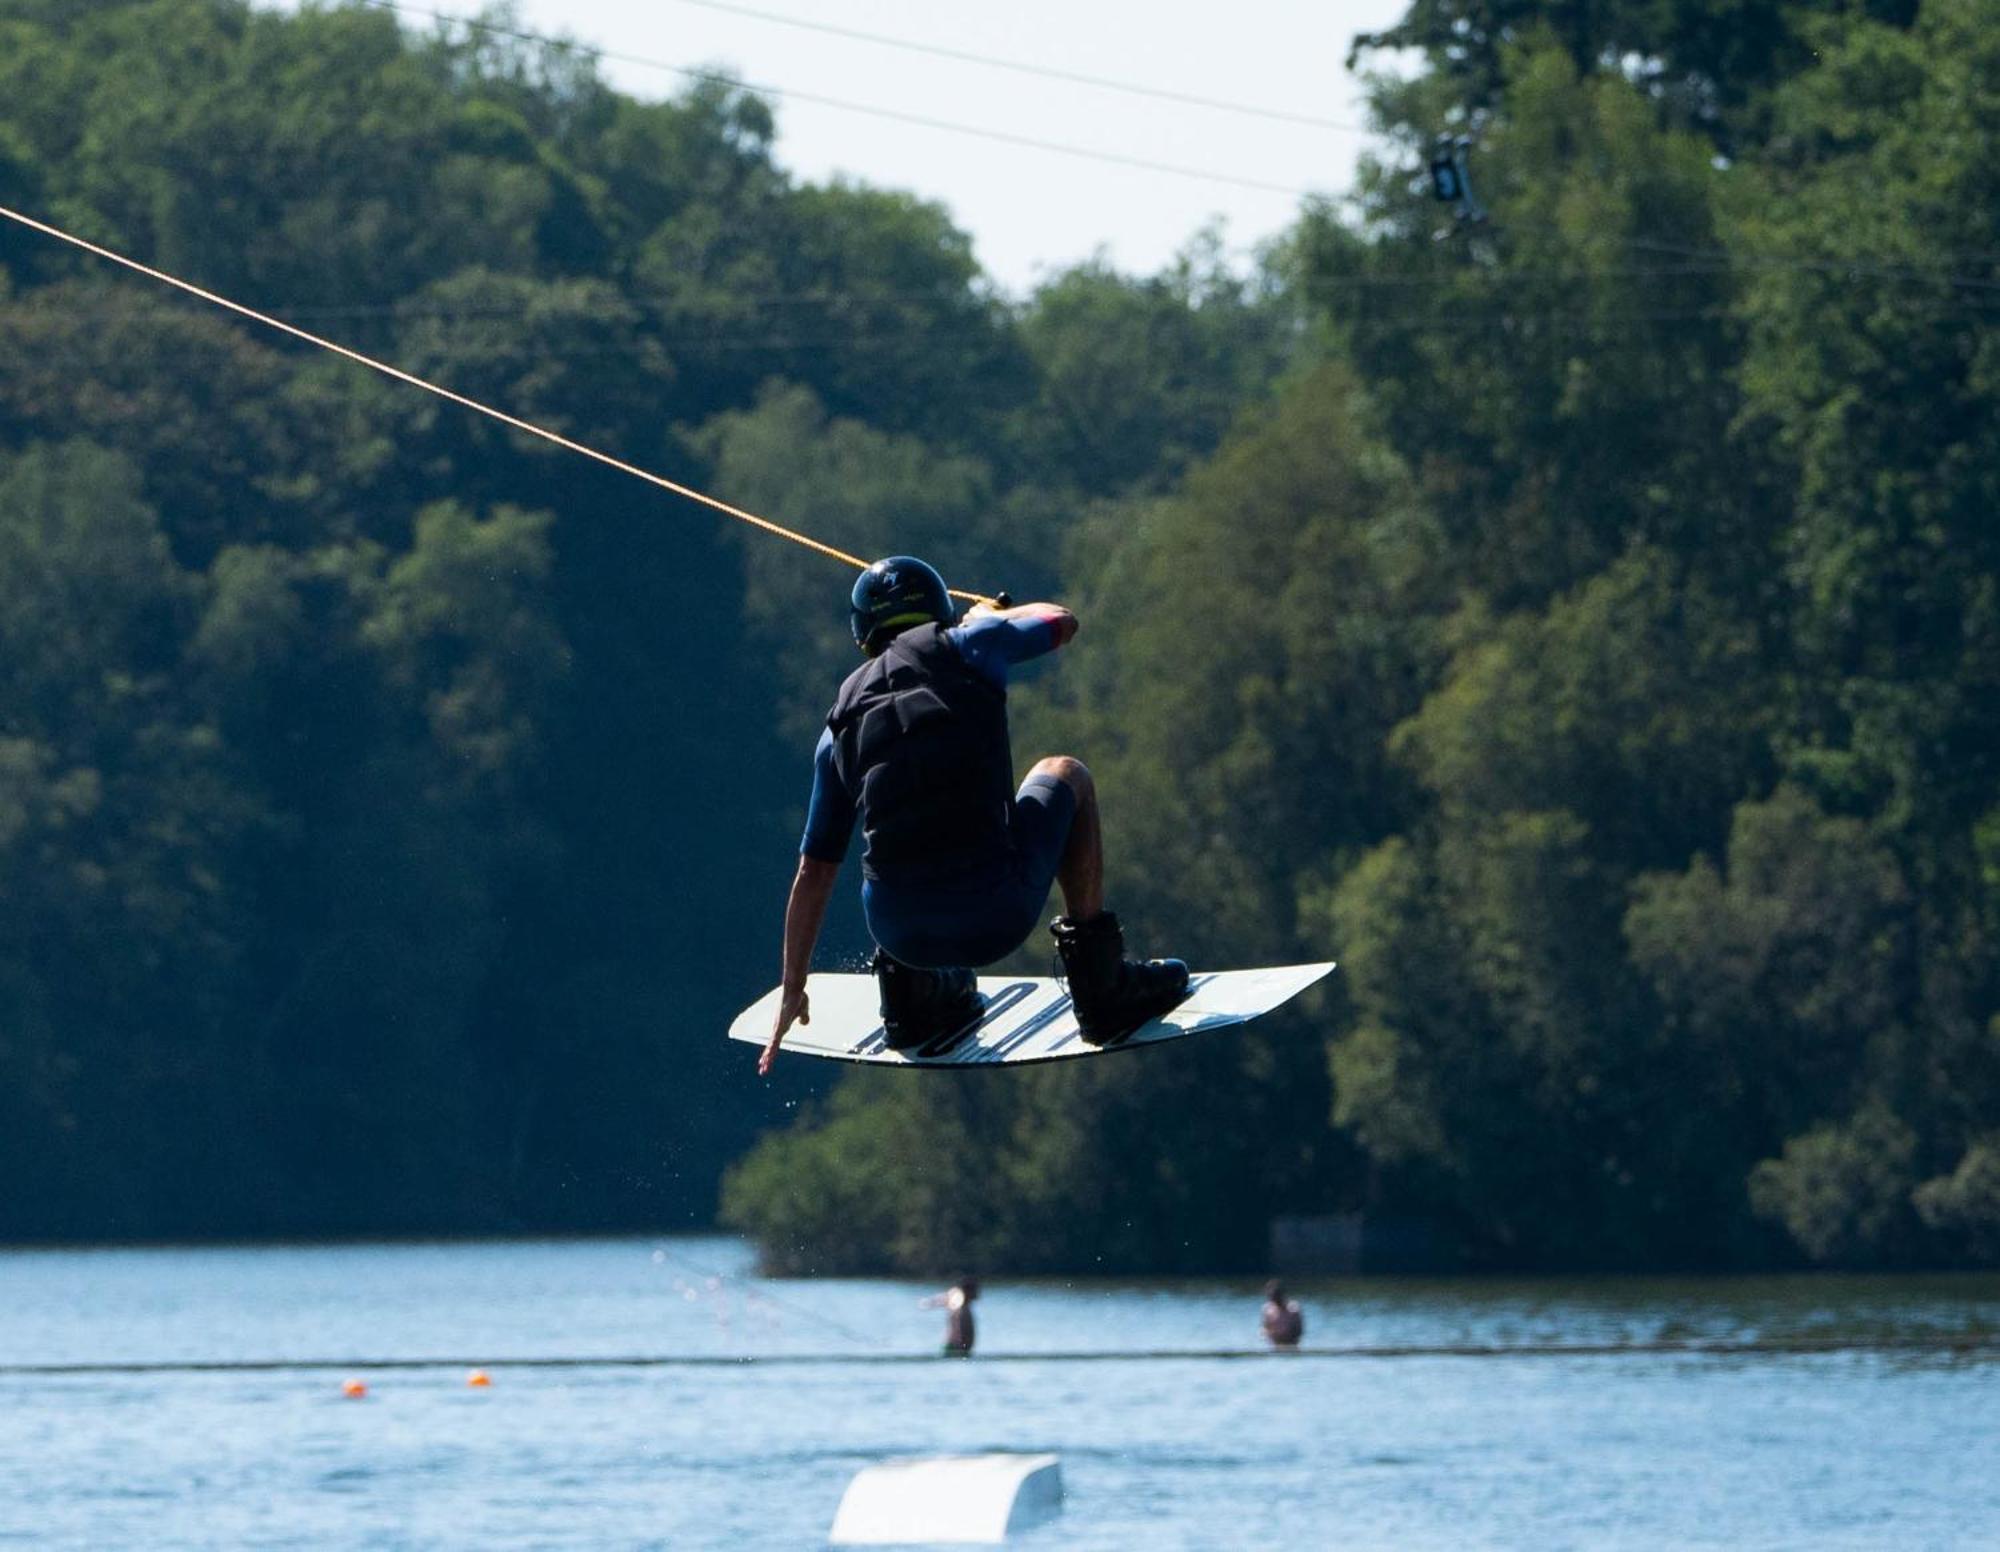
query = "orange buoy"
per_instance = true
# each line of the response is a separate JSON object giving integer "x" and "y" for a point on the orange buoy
{"x": 479, "y": 1379}
{"x": 354, "y": 1390}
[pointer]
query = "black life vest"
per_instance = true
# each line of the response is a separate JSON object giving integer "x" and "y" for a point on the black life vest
{"x": 920, "y": 743}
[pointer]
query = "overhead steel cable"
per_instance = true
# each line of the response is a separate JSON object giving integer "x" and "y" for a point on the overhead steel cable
{"x": 1945, "y": 272}
{"x": 1025, "y": 67}
{"x": 1370, "y": 322}
{"x": 1957, "y": 1344}
{"x": 844, "y": 105}
{"x": 514, "y": 421}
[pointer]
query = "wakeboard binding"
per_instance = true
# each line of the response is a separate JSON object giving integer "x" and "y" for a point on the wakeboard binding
{"x": 920, "y": 1006}
{"x": 1110, "y": 994}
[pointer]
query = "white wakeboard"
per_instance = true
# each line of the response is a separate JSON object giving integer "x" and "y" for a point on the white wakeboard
{"x": 1027, "y": 1019}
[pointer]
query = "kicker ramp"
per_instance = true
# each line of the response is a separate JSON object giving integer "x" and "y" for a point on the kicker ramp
{"x": 968, "y": 1499}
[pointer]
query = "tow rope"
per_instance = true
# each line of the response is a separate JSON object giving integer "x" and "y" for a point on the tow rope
{"x": 637, "y": 473}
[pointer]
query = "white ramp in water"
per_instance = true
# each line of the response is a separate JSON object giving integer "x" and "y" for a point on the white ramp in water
{"x": 978, "y": 1499}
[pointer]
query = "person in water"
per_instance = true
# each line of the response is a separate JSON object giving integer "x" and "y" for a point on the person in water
{"x": 957, "y": 1304}
{"x": 956, "y": 865}
{"x": 1284, "y": 1321}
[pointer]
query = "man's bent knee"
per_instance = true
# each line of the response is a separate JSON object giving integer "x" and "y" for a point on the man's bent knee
{"x": 1072, "y": 773}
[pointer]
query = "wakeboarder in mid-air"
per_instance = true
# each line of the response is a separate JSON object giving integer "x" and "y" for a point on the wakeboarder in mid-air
{"x": 957, "y": 864}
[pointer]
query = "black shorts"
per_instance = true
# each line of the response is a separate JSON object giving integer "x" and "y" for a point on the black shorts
{"x": 989, "y": 913}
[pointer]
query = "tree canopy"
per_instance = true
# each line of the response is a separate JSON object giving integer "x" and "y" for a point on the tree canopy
{"x": 1592, "y": 646}
{"x": 394, "y": 807}
{"x": 1582, "y": 622}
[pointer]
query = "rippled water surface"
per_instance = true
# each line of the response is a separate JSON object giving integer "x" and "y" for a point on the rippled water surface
{"x": 1896, "y": 1448}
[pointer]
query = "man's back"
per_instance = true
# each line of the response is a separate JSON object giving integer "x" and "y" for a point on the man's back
{"x": 947, "y": 784}
{"x": 920, "y": 747}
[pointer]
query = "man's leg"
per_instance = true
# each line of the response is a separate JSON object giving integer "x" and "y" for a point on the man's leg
{"x": 1081, "y": 871}
{"x": 1112, "y": 995}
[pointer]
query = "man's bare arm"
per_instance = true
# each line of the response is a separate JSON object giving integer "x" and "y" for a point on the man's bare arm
{"x": 805, "y": 911}
{"x": 1059, "y": 618}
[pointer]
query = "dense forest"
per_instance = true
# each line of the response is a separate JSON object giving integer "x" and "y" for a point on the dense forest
{"x": 1578, "y": 612}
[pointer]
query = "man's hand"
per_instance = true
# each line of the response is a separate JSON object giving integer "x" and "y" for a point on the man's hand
{"x": 793, "y": 1007}
{"x": 804, "y": 912}
{"x": 1061, "y": 623}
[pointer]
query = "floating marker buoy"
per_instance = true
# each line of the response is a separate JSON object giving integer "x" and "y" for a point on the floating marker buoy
{"x": 479, "y": 1379}
{"x": 354, "y": 1390}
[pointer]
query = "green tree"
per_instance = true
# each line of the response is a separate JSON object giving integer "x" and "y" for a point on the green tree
{"x": 1712, "y": 63}
{"x": 866, "y": 491}
{"x": 1140, "y": 378}
{"x": 119, "y": 815}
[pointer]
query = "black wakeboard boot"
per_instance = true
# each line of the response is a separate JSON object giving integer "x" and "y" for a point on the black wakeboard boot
{"x": 1113, "y": 995}
{"x": 920, "y": 1006}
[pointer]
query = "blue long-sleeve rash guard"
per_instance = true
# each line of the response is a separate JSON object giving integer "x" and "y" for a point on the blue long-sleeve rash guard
{"x": 991, "y": 645}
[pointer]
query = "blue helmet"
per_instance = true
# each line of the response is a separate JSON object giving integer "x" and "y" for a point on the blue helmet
{"x": 891, "y": 596}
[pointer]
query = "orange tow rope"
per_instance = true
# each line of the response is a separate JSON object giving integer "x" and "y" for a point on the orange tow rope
{"x": 456, "y": 398}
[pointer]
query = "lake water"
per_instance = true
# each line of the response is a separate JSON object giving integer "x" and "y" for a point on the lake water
{"x": 1896, "y": 1448}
